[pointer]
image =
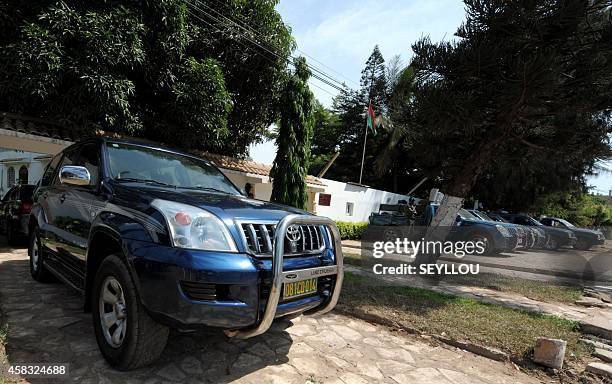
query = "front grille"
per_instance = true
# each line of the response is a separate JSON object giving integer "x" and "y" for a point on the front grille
{"x": 259, "y": 239}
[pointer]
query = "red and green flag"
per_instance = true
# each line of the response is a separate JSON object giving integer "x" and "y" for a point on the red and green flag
{"x": 371, "y": 119}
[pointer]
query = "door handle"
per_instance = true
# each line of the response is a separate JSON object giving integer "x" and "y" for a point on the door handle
{"x": 62, "y": 198}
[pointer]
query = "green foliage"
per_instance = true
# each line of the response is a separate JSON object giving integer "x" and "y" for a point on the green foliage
{"x": 345, "y": 128}
{"x": 520, "y": 102}
{"x": 290, "y": 166}
{"x": 149, "y": 69}
{"x": 351, "y": 231}
{"x": 578, "y": 208}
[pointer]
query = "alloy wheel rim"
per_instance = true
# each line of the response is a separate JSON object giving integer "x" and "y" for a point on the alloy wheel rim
{"x": 35, "y": 254}
{"x": 484, "y": 240}
{"x": 113, "y": 312}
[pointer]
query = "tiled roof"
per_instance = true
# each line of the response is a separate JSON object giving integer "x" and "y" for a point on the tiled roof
{"x": 39, "y": 127}
{"x": 234, "y": 164}
{"x": 12, "y": 160}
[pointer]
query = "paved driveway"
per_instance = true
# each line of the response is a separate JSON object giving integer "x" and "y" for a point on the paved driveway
{"x": 46, "y": 324}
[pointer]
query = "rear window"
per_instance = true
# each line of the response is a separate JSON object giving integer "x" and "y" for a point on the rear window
{"x": 26, "y": 191}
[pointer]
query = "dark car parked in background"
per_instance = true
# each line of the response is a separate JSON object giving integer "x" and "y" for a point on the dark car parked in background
{"x": 536, "y": 237}
{"x": 586, "y": 238}
{"x": 15, "y": 210}
{"x": 555, "y": 237}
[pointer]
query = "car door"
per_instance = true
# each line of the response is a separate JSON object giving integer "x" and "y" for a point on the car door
{"x": 5, "y": 209}
{"x": 61, "y": 210}
{"x": 85, "y": 201}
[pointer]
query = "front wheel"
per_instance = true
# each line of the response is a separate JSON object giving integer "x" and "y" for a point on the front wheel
{"x": 582, "y": 245}
{"x": 485, "y": 244}
{"x": 127, "y": 336}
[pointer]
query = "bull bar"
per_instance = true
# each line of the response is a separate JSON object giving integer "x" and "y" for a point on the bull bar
{"x": 279, "y": 276}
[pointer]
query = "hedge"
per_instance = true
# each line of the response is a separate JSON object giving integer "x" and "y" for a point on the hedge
{"x": 351, "y": 231}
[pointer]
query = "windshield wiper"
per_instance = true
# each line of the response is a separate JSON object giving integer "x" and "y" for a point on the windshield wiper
{"x": 198, "y": 187}
{"x": 149, "y": 181}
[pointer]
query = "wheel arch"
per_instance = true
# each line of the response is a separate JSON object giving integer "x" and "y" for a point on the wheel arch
{"x": 104, "y": 241}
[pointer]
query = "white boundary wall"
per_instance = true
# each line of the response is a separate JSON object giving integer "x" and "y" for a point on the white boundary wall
{"x": 365, "y": 201}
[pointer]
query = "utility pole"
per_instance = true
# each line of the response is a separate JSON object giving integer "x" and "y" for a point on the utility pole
{"x": 365, "y": 138}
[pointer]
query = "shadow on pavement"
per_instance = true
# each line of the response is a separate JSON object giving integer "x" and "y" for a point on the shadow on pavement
{"x": 47, "y": 325}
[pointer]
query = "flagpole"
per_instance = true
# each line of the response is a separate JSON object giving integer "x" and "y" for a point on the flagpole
{"x": 365, "y": 138}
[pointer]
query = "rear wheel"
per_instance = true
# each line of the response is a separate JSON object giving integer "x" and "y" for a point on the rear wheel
{"x": 37, "y": 268}
{"x": 127, "y": 336}
{"x": 552, "y": 244}
{"x": 10, "y": 234}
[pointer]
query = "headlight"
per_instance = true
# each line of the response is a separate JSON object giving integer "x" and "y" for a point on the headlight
{"x": 192, "y": 227}
{"x": 503, "y": 230}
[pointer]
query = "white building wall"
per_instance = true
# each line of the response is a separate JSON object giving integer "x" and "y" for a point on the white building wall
{"x": 28, "y": 159}
{"x": 365, "y": 201}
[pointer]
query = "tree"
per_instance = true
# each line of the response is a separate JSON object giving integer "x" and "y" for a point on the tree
{"x": 290, "y": 166}
{"x": 520, "y": 102}
{"x": 350, "y": 107}
{"x": 162, "y": 69}
{"x": 324, "y": 139}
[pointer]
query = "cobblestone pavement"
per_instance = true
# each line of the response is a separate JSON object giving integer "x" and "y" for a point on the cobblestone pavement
{"x": 46, "y": 324}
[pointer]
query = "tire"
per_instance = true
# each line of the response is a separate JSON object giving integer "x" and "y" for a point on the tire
{"x": 37, "y": 267}
{"x": 582, "y": 245}
{"x": 10, "y": 234}
{"x": 141, "y": 340}
{"x": 552, "y": 244}
{"x": 488, "y": 243}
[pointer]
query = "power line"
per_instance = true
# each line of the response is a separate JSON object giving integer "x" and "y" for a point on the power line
{"x": 314, "y": 76}
{"x": 244, "y": 26}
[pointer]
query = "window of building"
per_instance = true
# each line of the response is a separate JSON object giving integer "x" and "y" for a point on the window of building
{"x": 23, "y": 175}
{"x": 10, "y": 177}
{"x": 349, "y": 209}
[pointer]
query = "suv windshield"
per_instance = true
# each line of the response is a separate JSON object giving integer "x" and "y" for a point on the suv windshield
{"x": 129, "y": 162}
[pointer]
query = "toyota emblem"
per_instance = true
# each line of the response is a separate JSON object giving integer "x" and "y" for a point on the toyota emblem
{"x": 293, "y": 234}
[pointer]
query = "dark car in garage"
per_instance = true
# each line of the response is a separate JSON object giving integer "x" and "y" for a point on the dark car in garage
{"x": 585, "y": 238}
{"x": 15, "y": 210}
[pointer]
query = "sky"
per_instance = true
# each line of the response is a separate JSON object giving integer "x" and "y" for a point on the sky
{"x": 338, "y": 37}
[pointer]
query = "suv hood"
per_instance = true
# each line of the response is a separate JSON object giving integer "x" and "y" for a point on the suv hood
{"x": 225, "y": 206}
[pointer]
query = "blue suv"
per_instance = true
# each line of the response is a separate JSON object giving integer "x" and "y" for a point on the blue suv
{"x": 155, "y": 238}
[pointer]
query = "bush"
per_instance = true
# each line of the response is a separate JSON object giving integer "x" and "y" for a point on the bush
{"x": 351, "y": 231}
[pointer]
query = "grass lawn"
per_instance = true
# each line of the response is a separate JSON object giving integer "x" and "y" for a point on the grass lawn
{"x": 507, "y": 329}
{"x": 533, "y": 289}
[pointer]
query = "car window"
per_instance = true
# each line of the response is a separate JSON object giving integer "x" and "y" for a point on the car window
{"x": 8, "y": 194}
{"x": 521, "y": 220}
{"x": 464, "y": 214}
{"x": 26, "y": 192}
{"x": 90, "y": 158}
{"x": 67, "y": 159}
{"x": 565, "y": 223}
{"x": 135, "y": 162}
{"x": 50, "y": 170}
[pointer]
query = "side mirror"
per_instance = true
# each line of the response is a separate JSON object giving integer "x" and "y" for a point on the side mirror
{"x": 74, "y": 175}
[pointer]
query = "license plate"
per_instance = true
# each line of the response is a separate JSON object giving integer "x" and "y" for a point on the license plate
{"x": 299, "y": 288}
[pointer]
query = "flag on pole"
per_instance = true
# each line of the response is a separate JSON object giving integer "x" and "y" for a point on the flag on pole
{"x": 371, "y": 119}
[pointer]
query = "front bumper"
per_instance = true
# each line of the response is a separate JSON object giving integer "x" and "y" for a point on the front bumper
{"x": 189, "y": 288}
